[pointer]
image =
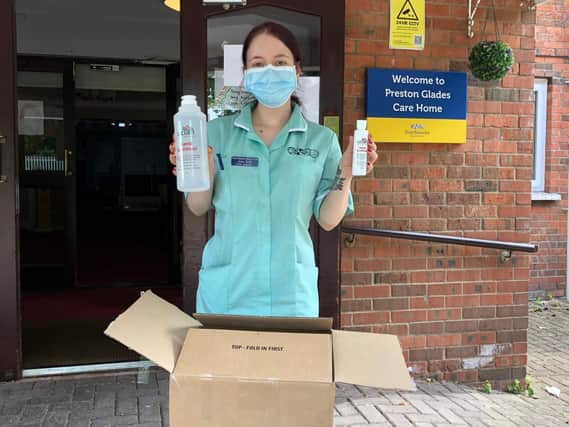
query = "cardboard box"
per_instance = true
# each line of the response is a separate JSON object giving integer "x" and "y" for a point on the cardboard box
{"x": 256, "y": 371}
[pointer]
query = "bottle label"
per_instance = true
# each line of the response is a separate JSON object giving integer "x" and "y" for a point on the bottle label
{"x": 187, "y": 130}
{"x": 359, "y": 164}
{"x": 189, "y": 148}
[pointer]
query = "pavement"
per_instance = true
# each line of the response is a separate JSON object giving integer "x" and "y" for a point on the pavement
{"x": 141, "y": 399}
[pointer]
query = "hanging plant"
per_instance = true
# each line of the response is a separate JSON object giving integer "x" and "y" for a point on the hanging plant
{"x": 490, "y": 60}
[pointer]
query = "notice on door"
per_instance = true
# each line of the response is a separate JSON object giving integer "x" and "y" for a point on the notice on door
{"x": 407, "y": 24}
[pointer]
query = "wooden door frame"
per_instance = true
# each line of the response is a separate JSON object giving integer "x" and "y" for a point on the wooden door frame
{"x": 193, "y": 27}
{"x": 10, "y": 338}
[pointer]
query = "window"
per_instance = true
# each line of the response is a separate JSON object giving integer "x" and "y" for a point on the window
{"x": 540, "y": 122}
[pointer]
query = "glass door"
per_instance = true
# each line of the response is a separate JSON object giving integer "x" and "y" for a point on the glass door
{"x": 46, "y": 178}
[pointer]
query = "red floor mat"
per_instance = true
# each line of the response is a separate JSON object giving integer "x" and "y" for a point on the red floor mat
{"x": 87, "y": 304}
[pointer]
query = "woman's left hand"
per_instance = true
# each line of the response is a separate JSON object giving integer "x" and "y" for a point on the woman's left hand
{"x": 347, "y": 157}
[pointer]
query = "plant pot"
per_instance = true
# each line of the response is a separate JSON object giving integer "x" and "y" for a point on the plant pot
{"x": 490, "y": 60}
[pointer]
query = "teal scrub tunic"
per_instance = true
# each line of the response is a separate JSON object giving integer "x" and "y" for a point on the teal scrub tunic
{"x": 260, "y": 260}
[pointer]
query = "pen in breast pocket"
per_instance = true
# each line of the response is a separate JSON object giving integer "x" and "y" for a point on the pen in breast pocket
{"x": 220, "y": 161}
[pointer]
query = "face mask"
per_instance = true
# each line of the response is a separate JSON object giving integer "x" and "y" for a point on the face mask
{"x": 272, "y": 86}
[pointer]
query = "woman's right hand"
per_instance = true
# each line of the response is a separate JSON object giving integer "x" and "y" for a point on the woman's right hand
{"x": 172, "y": 156}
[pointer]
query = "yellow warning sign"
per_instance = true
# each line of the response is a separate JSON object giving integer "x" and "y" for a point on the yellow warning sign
{"x": 407, "y": 12}
{"x": 407, "y": 24}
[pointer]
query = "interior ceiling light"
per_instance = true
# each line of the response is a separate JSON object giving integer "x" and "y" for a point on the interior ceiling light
{"x": 172, "y": 4}
{"x": 175, "y": 4}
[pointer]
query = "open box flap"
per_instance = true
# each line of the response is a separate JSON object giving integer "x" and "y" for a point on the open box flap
{"x": 265, "y": 323}
{"x": 154, "y": 328}
{"x": 371, "y": 360}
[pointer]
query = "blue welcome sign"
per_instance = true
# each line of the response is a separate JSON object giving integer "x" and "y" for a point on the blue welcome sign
{"x": 416, "y": 106}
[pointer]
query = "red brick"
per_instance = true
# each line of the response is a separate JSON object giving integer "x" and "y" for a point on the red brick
{"x": 496, "y": 299}
{"x": 480, "y": 288}
{"x": 370, "y": 318}
{"x": 444, "y": 340}
{"x": 428, "y": 276}
{"x": 519, "y": 347}
{"x": 427, "y": 302}
{"x": 399, "y": 330}
{"x": 446, "y": 314}
{"x": 373, "y": 291}
{"x": 372, "y": 47}
{"x": 413, "y": 341}
{"x": 409, "y": 264}
{"x": 502, "y": 361}
{"x": 408, "y": 316}
{"x": 349, "y": 46}
{"x": 513, "y": 286}
{"x": 373, "y": 264}
{"x": 347, "y": 291}
{"x": 362, "y": 5}
{"x": 351, "y": 305}
{"x": 463, "y": 301}
{"x": 356, "y": 61}
{"x": 395, "y": 252}
{"x": 428, "y": 172}
{"x": 410, "y": 158}
{"x": 445, "y": 289}
{"x": 410, "y": 212}
{"x": 463, "y": 275}
{"x": 497, "y": 274}
{"x": 479, "y": 338}
{"x": 499, "y": 199}
{"x": 388, "y": 304}
{"x": 366, "y": 185}
{"x": 446, "y": 185}
{"x": 404, "y": 290}
{"x": 484, "y": 107}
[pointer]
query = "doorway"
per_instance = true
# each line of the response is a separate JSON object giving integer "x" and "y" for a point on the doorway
{"x": 98, "y": 203}
{"x": 46, "y": 207}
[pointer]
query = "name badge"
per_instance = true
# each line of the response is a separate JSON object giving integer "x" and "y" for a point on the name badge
{"x": 251, "y": 162}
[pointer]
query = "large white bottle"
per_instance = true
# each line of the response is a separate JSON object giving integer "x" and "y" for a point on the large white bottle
{"x": 359, "y": 159}
{"x": 192, "y": 165}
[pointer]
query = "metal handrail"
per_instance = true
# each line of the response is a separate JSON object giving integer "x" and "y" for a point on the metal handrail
{"x": 451, "y": 240}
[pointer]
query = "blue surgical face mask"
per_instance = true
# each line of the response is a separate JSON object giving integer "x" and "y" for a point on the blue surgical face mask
{"x": 272, "y": 86}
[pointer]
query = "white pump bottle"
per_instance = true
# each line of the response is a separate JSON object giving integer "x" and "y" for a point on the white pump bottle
{"x": 192, "y": 165}
{"x": 359, "y": 160}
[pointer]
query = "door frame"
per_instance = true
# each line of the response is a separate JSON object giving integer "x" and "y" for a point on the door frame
{"x": 193, "y": 28}
{"x": 10, "y": 338}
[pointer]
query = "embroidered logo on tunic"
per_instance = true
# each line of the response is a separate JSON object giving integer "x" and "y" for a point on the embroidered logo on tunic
{"x": 303, "y": 152}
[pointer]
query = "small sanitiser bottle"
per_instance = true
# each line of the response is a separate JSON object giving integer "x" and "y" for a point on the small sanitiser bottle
{"x": 359, "y": 160}
{"x": 192, "y": 165}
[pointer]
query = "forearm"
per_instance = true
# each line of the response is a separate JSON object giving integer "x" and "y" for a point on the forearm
{"x": 200, "y": 202}
{"x": 335, "y": 204}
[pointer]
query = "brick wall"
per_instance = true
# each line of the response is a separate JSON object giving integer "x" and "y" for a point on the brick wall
{"x": 548, "y": 269}
{"x": 460, "y": 312}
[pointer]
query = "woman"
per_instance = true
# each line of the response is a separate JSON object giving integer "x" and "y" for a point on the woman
{"x": 271, "y": 171}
